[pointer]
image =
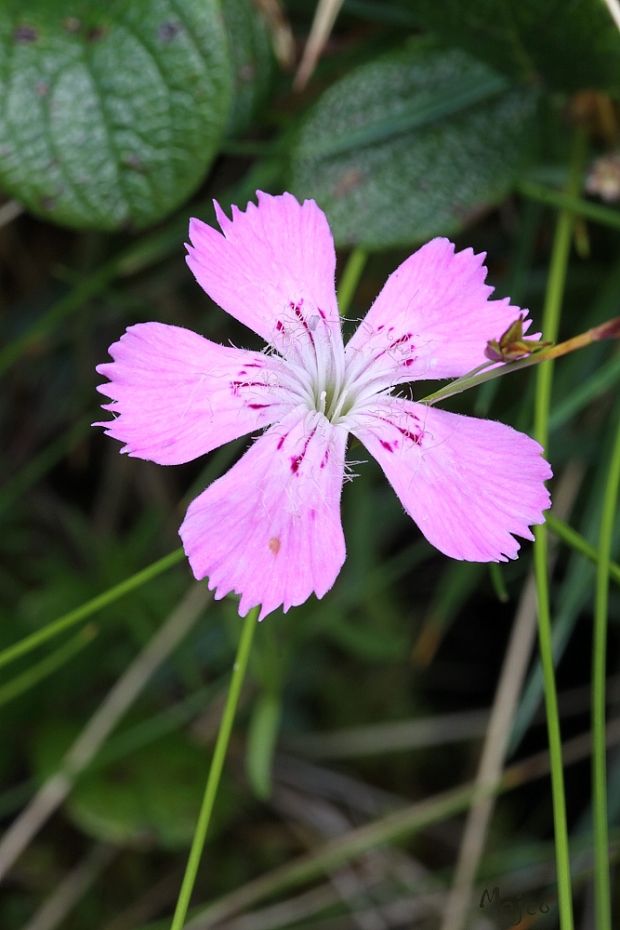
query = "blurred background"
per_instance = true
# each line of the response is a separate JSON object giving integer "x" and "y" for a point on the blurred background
{"x": 366, "y": 715}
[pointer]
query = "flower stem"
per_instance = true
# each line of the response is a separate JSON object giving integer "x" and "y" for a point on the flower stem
{"x": 608, "y": 330}
{"x": 551, "y": 321}
{"x": 602, "y": 900}
{"x": 215, "y": 771}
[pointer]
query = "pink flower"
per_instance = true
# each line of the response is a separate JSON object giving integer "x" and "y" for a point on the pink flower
{"x": 270, "y": 529}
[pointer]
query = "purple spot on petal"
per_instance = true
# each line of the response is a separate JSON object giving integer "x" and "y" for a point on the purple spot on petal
{"x": 386, "y": 445}
{"x": 296, "y": 460}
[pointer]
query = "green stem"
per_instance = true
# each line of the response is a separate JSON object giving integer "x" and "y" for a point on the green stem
{"x": 570, "y": 202}
{"x": 63, "y": 623}
{"x": 602, "y": 899}
{"x": 576, "y": 541}
{"x": 47, "y": 666}
{"x": 484, "y": 373}
{"x": 215, "y": 771}
{"x": 544, "y": 382}
{"x": 350, "y": 278}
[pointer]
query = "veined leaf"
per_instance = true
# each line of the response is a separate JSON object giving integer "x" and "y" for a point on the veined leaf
{"x": 252, "y": 60}
{"x": 110, "y": 113}
{"x": 412, "y": 145}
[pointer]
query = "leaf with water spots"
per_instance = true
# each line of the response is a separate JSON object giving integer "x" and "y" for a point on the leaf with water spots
{"x": 110, "y": 113}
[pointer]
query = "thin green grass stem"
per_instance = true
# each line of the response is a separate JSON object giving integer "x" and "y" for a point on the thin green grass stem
{"x": 570, "y": 202}
{"x": 562, "y": 856}
{"x": 602, "y": 897}
{"x": 576, "y": 541}
{"x": 350, "y": 278}
{"x": 55, "y": 627}
{"x": 46, "y": 666}
{"x": 544, "y": 382}
{"x": 215, "y": 771}
{"x": 392, "y": 828}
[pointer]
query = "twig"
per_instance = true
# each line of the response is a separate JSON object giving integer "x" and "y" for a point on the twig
{"x": 154, "y": 900}
{"x": 53, "y": 792}
{"x": 391, "y": 736}
{"x": 495, "y": 746}
{"x": 394, "y": 826}
{"x": 10, "y": 211}
{"x": 64, "y": 898}
{"x": 329, "y": 822}
{"x": 614, "y": 8}
{"x": 322, "y": 25}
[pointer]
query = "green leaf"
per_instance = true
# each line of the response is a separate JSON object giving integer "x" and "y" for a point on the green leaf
{"x": 565, "y": 45}
{"x": 110, "y": 114}
{"x": 252, "y": 60}
{"x": 150, "y": 797}
{"x": 412, "y": 145}
{"x": 262, "y": 736}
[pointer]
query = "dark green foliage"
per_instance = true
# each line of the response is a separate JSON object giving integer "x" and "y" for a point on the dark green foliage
{"x": 423, "y": 118}
{"x": 414, "y": 144}
{"x": 563, "y": 45}
{"x": 252, "y": 61}
{"x": 110, "y": 114}
{"x": 122, "y": 802}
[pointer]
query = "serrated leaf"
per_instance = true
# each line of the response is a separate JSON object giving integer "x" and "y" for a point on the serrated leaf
{"x": 412, "y": 145}
{"x": 565, "y": 45}
{"x": 252, "y": 60}
{"x": 110, "y": 114}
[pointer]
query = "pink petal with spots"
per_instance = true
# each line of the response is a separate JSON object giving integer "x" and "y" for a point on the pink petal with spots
{"x": 469, "y": 484}
{"x": 176, "y": 395}
{"x": 270, "y": 528}
{"x": 273, "y": 268}
{"x": 432, "y": 319}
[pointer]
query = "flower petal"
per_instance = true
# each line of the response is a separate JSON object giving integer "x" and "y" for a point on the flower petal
{"x": 269, "y": 529}
{"x": 176, "y": 395}
{"x": 468, "y": 483}
{"x": 432, "y": 319}
{"x": 273, "y": 268}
